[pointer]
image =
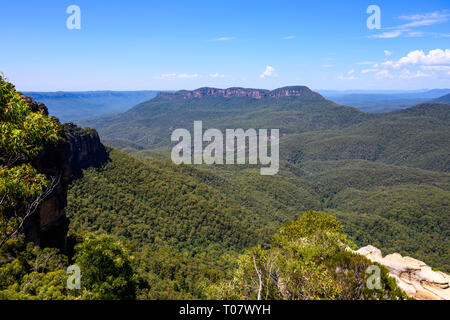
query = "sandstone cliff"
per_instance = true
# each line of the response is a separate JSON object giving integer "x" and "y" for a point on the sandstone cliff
{"x": 295, "y": 91}
{"x": 414, "y": 277}
{"x": 79, "y": 149}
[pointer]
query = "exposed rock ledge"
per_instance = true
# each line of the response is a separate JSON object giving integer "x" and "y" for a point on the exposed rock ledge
{"x": 413, "y": 276}
{"x": 293, "y": 91}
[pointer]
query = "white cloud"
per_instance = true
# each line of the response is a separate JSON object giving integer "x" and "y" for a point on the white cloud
{"x": 418, "y": 57}
{"x": 439, "y": 70}
{"x": 223, "y": 39}
{"x": 342, "y": 77}
{"x": 217, "y": 75}
{"x": 187, "y": 76}
{"x": 383, "y": 74}
{"x": 171, "y": 76}
{"x": 269, "y": 72}
{"x": 289, "y": 37}
{"x": 369, "y": 70}
{"x": 388, "y": 34}
{"x": 427, "y": 19}
{"x": 416, "y": 64}
{"x": 387, "y": 53}
{"x": 351, "y": 71}
{"x": 416, "y": 34}
{"x": 168, "y": 76}
{"x": 415, "y": 21}
{"x": 406, "y": 74}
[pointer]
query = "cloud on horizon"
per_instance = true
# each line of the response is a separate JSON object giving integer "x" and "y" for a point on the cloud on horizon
{"x": 269, "y": 73}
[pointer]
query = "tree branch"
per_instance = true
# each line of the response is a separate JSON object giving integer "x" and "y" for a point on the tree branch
{"x": 31, "y": 208}
{"x": 259, "y": 277}
{"x": 4, "y": 197}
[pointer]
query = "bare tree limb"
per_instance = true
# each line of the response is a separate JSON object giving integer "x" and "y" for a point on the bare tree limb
{"x": 4, "y": 197}
{"x": 258, "y": 272}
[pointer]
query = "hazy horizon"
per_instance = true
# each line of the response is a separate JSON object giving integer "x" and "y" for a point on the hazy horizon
{"x": 379, "y": 91}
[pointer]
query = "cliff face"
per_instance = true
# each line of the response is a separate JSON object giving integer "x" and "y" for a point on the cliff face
{"x": 35, "y": 106}
{"x": 297, "y": 91}
{"x": 413, "y": 276}
{"x": 80, "y": 149}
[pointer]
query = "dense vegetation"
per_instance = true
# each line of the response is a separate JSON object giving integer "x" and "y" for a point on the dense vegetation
{"x": 318, "y": 128}
{"x": 151, "y": 123}
{"x": 397, "y": 209}
{"x": 308, "y": 259}
{"x": 145, "y": 228}
{"x": 28, "y": 272}
{"x": 23, "y": 134}
{"x": 416, "y": 137}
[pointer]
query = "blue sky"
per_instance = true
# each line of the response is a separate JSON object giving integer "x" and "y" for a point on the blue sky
{"x": 136, "y": 45}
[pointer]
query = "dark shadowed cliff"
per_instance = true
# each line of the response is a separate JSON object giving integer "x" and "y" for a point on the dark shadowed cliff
{"x": 79, "y": 149}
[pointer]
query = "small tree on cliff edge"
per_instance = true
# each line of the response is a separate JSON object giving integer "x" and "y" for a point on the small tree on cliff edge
{"x": 23, "y": 134}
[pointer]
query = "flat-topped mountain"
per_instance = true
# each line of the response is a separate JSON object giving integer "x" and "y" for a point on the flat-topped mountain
{"x": 322, "y": 130}
{"x": 292, "y": 91}
{"x": 293, "y": 109}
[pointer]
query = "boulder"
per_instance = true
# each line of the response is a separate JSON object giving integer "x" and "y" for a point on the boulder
{"x": 413, "y": 276}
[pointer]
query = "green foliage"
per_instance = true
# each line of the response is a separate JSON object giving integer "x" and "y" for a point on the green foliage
{"x": 179, "y": 224}
{"x": 396, "y": 209}
{"x": 337, "y": 158}
{"x": 151, "y": 123}
{"x": 363, "y": 167}
{"x": 153, "y": 230}
{"x": 29, "y": 272}
{"x": 106, "y": 267}
{"x": 181, "y": 256}
{"x": 23, "y": 134}
{"x": 311, "y": 129}
{"x": 158, "y": 204}
{"x": 308, "y": 259}
{"x": 415, "y": 137}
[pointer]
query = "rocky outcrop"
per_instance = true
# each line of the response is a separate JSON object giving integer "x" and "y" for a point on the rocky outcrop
{"x": 413, "y": 276}
{"x": 35, "y": 106}
{"x": 296, "y": 91}
{"x": 85, "y": 148}
{"x": 79, "y": 149}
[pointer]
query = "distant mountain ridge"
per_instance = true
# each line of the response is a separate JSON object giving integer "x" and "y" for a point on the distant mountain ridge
{"x": 294, "y": 109}
{"x": 74, "y": 106}
{"x": 384, "y": 101}
{"x": 317, "y": 128}
{"x": 443, "y": 99}
{"x": 291, "y": 91}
